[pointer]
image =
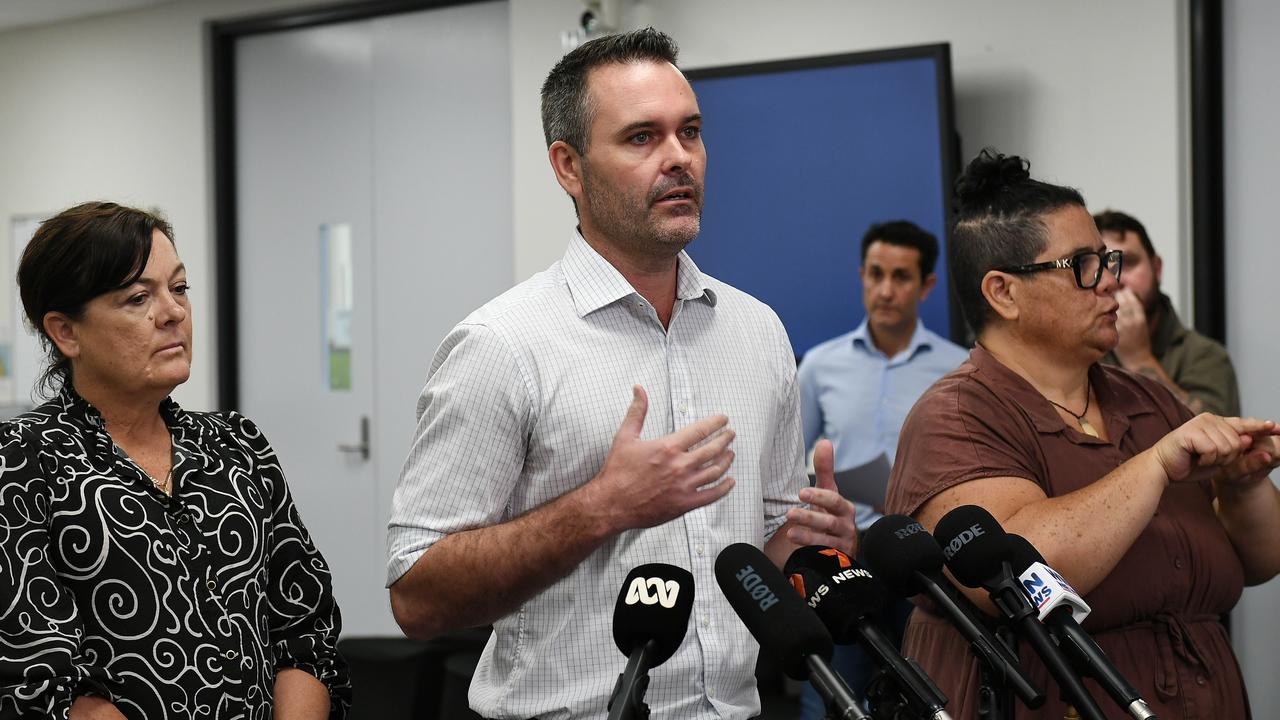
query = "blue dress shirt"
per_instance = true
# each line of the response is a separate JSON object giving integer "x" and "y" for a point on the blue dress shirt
{"x": 854, "y": 395}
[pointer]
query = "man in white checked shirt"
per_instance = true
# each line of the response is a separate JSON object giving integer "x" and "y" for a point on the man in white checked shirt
{"x": 559, "y": 442}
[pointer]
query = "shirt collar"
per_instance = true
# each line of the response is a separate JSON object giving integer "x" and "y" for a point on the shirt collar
{"x": 920, "y": 340}
{"x": 594, "y": 282}
{"x": 1118, "y": 403}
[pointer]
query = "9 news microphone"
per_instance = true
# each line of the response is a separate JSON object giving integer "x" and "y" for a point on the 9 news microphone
{"x": 784, "y": 627}
{"x": 845, "y": 595}
{"x": 977, "y": 552}
{"x": 1062, "y": 610}
{"x": 906, "y": 558}
{"x": 649, "y": 623}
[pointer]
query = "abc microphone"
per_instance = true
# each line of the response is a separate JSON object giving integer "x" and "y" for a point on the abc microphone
{"x": 1062, "y": 610}
{"x": 784, "y": 627}
{"x": 977, "y": 552}
{"x": 845, "y": 595}
{"x": 649, "y": 623}
{"x": 906, "y": 558}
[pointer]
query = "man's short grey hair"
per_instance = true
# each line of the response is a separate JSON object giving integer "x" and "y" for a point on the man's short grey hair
{"x": 567, "y": 110}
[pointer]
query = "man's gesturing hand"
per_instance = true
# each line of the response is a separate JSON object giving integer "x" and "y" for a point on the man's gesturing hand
{"x": 829, "y": 518}
{"x": 647, "y": 482}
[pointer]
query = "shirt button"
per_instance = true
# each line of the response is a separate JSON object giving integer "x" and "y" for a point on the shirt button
{"x": 230, "y": 654}
{"x": 698, "y": 550}
{"x": 1177, "y": 562}
{"x": 211, "y": 585}
{"x": 1200, "y": 680}
{"x": 683, "y": 408}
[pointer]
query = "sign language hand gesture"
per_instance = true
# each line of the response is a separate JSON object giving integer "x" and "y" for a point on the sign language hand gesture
{"x": 644, "y": 483}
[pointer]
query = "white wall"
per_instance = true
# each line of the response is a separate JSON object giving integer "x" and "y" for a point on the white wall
{"x": 1092, "y": 91}
{"x": 116, "y": 107}
{"x": 1251, "y": 154}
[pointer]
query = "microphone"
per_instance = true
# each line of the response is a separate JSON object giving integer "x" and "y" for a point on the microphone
{"x": 1062, "y": 610}
{"x": 906, "y": 558}
{"x": 845, "y": 595}
{"x": 649, "y": 623}
{"x": 977, "y": 552}
{"x": 784, "y": 627}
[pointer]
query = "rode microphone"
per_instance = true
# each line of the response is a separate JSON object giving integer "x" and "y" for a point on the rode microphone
{"x": 845, "y": 596}
{"x": 908, "y": 561}
{"x": 649, "y": 623}
{"x": 783, "y": 625}
{"x": 1062, "y": 610}
{"x": 977, "y": 552}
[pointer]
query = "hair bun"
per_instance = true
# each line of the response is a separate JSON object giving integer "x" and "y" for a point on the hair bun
{"x": 987, "y": 176}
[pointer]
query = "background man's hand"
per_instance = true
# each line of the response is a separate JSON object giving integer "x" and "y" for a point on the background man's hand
{"x": 1134, "y": 347}
{"x": 647, "y": 482}
{"x": 829, "y": 518}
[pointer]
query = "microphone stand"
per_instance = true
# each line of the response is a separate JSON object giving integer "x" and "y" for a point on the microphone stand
{"x": 627, "y": 701}
{"x": 841, "y": 704}
{"x": 995, "y": 694}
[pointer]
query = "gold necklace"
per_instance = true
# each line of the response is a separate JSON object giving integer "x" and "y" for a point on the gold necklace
{"x": 161, "y": 485}
{"x": 1086, "y": 427}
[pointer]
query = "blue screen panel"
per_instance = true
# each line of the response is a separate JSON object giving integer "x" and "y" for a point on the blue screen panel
{"x": 799, "y": 164}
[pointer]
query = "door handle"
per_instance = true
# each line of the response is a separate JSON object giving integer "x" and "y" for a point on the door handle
{"x": 361, "y": 447}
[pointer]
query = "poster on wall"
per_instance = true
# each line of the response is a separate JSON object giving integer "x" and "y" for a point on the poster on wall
{"x": 20, "y": 352}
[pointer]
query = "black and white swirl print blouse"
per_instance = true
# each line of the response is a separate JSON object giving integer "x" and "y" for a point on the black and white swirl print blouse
{"x": 181, "y": 607}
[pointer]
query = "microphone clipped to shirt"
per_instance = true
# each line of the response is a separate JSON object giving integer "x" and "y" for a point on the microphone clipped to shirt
{"x": 649, "y": 624}
{"x": 783, "y": 625}
{"x": 908, "y": 561}
{"x": 847, "y": 597}
{"x": 1062, "y": 610}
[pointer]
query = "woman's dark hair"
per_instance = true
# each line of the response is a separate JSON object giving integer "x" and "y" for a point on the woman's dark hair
{"x": 75, "y": 256}
{"x": 999, "y": 222}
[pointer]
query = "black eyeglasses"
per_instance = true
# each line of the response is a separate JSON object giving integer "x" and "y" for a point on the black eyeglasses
{"x": 1088, "y": 266}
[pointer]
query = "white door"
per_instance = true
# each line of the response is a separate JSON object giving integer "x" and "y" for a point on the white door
{"x": 394, "y": 133}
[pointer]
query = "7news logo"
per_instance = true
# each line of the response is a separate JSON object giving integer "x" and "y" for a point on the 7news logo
{"x": 651, "y": 591}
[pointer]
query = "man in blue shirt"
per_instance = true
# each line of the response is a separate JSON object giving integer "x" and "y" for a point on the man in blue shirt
{"x": 856, "y": 389}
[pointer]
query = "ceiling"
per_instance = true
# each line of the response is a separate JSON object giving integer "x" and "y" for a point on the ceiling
{"x": 24, "y": 13}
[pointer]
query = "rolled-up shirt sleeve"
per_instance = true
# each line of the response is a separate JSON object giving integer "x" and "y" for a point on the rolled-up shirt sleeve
{"x": 304, "y": 617}
{"x": 468, "y": 449}
{"x": 42, "y": 666}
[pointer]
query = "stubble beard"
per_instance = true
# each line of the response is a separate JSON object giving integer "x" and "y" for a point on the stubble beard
{"x": 628, "y": 221}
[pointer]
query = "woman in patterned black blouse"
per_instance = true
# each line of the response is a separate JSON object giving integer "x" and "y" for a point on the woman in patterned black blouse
{"x": 152, "y": 563}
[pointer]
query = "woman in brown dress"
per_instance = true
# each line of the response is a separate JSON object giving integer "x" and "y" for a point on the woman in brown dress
{"x": 1157, "y": 516}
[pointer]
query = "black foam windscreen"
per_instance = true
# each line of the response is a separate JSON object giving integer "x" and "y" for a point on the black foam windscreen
{"x": 973, "y": 544}
{"x": 770, "y": 608}
{"x": 1022, "y": 553}
{"x": 654, "y": 604}
{"x": 838, "y": 588}
{"x": 896, "y": 547}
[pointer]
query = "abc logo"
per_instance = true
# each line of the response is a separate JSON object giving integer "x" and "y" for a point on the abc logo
{"x": 650, "y": 591}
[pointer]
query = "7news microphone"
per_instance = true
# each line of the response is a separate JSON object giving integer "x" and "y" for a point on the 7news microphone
{"x": 1062, "y": 610}
{"x": 977, "y": 552}
{"x": 907, "y": 559}
{"x": 649, "y": 623}
{"x": 846, "y": 598}
{"x": 784, "y": 626}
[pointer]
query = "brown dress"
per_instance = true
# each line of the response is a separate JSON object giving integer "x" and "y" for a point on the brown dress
{"x": 1157, "y": 614}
